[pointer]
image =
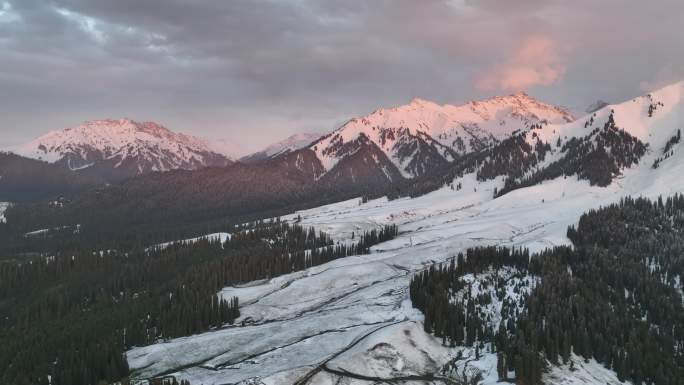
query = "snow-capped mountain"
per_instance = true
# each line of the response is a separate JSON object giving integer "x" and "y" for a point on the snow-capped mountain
{"x": 423, "y": 135}
{"x": 121, "y": 148}
{"x": 291, "y": 143}
{"x": 599, "y": 147}
{"x": 352, "y": 318}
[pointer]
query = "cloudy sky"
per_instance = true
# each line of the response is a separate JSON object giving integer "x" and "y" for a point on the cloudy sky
{"x": 255, "y": 71}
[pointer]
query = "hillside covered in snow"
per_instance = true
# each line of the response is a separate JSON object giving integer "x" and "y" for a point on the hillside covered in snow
{"x": 351, "y": 320}
{"x": 121, "y": 148}
{"x": 316, "y": 309}
{"x": 423, "y": 135}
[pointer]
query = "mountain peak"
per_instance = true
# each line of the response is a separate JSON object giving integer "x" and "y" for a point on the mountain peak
{"x": 422, "y": 132}
{"x": 519, "y": 98}
{"x": 122, "y": 125}
{"x": 125, "y": 145}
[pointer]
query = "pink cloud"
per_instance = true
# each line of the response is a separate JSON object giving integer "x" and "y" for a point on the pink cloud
{"x": 536, "y": 60}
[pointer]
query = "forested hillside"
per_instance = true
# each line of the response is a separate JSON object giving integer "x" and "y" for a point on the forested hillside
{"x": 179, "y": 204}
{"x": 28, "y": 180}
{"x": 363, "y": 159}
{"x": 73, "y": 313}
{"x": 615, "y": 297}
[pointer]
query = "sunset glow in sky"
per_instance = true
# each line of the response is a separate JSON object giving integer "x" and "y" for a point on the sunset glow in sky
{"x": 255, "y": 71}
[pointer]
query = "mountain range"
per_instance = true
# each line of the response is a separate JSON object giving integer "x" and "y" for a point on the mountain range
{"x": 402, "y": 151}
{"x": 409, "y": 150}
{"x": 447, "y": 181}
{"x": 385, "y": 146}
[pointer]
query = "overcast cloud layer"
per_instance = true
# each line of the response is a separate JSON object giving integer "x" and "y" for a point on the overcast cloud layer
{"x": 255, "y": 71}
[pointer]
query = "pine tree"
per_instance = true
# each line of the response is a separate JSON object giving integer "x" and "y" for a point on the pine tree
{"x": 501, "y": 367}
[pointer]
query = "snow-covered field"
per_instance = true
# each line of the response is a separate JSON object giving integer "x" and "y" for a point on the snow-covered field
{"x": 352, "y": 317}
{"x": 353, "y": 314}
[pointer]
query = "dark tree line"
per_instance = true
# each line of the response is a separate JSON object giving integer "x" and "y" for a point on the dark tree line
{"x": 667, "y": 150}
{"x": 29, "y": 180}
{"x": 672, "y": 141}
{"x": 462, "y": 319}
{"x": 615, "y": 297}
{"x": 653, "y": 106}
{"x": 158, "y": 207}
{"x": 513, "y": 157}
{"x": 72, "y": 314}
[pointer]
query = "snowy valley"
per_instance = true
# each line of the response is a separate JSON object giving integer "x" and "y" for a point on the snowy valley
{"x": 333, "y": 311}
{"x": 302, "y": 192}
{"x": 350, "y": 321}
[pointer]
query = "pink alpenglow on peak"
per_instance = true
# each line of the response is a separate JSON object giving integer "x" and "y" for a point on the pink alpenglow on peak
{"x": 123, "y": 146}
{"x": 422, "y": 132}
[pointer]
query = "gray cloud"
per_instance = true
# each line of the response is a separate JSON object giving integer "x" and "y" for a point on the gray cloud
{"x": 257, "y": 70}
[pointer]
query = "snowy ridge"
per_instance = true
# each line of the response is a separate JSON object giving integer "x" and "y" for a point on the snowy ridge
{"x": 150, "y": 146}
{"x": 655, "y": 120}
{"x": 291, "y": 143}
{"x": 447, "y": 130}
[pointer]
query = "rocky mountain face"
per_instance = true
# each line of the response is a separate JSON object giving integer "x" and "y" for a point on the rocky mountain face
{"x": 514, "y": 141}
{"x": 386, "y": 146}
{"x": 423, "y": 136}
{"x": 117, "y": 149}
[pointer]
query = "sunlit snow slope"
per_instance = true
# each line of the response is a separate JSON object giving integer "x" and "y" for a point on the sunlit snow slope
{"x": 138, "y": 147}
{"x": 350, "y": 321}
{"x": 417, "y": 135}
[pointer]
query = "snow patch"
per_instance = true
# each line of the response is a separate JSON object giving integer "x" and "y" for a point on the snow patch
{"x": 3, "y": 207}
